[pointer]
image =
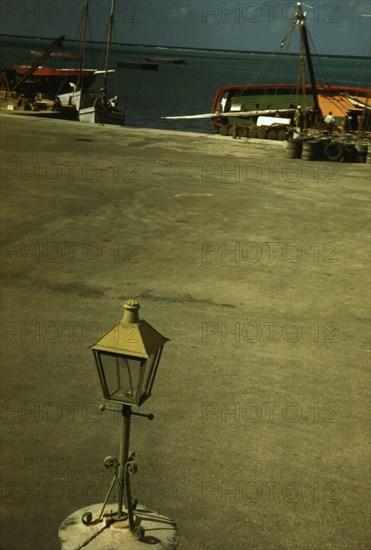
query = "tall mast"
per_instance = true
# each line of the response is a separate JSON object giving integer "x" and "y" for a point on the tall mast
{"x": 300, "y": 20}
{"x": 83, "y": 38}
{"x": 109, "y": 39}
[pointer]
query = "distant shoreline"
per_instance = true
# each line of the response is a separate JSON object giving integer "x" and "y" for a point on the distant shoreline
{"x": 164, "y": 46}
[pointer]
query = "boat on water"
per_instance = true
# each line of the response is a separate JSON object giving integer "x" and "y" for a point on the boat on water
{"x": 94, "y": 107}
{"x": 137, "y": 65}
{"x": 303, "y": 105}
{"x": 51, "y": 81}
{"x": 278, "y": 111}
{"x": 166, "y": 60}
{"x": 243, "y": 106}
{"x": 32, "y": 89}
{"x": 56, "y": 55}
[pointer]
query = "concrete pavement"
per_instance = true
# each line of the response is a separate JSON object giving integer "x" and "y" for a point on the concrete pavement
{"x": 257, "y": 269}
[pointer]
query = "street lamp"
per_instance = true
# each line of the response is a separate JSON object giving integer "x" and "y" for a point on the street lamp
{"x": 127, "y": 358}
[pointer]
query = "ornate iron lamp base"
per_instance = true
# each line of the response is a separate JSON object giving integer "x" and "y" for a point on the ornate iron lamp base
{"x": 159, "y": 531}
{"x": 121, "y": 515}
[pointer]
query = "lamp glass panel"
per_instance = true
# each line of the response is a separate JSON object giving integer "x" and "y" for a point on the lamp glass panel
{"x": 122, "y": 375}
{"x": 151, "y": 362}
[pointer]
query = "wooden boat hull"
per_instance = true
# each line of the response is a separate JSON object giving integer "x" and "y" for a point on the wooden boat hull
{"x": 95, "y": 112}
{"x": 57, "y": 73}
{"x": 99, "y": 115}
{"x": 137, "y": 65}
{"x": 166, "y": 60}
{"x": 280, "y": 97}
{"x": 50, "y": 81}
{"x": 56, "y": 55}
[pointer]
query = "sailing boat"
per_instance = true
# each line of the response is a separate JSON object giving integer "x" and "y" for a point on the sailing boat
{"x": 267, "y": 110}
{"x": 241, "y": 106}
{"x": 102, "y": 110}
{"x": 37, "y": 80}
{"x": 93, "y": 108}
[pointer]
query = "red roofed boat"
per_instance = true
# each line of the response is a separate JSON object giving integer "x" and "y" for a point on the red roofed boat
{"x": 276, "y": 110}
{"x": 51, "y": 81}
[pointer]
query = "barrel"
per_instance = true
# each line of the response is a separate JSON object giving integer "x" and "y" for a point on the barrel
{"x": 272, "y": 134}
{"x": 262, "y": 133}
{"x": 349, "y": 151}
{"x": 362, "y": 148}
{"x": 294, "y": 149}
{"x": 223, "y": 130}
{"x": 310, "y": 149}
{"x": 281, "y": 134}
{"x": 322, "y": 142}
{"x": 334, "y": 151}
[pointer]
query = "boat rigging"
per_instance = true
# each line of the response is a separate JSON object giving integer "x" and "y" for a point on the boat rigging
{"x": 255, "y": 110}
{"x": 97, "y": 108}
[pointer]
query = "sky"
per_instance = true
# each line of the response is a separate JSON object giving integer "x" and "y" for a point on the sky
{"x": 336, "y": 27}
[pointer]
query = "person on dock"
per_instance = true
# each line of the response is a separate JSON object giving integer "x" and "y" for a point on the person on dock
{"x": 330, "y": 122}
{"x": 348, "y": 123}
{"x": 101, "y": 98}
{"x": 299, "y": 118}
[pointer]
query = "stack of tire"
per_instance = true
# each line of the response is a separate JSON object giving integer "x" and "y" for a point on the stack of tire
{"x": 260, "y": 132}
{"x": 328, "y": 149}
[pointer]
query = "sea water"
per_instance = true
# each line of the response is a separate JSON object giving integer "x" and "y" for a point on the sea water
{"x": 184, "y": 89}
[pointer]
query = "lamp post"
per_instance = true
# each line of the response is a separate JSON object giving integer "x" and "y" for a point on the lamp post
{"x": 127, "y": 358}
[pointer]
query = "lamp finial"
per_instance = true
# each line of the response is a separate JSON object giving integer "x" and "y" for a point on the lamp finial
{"x": 131, "y": 311}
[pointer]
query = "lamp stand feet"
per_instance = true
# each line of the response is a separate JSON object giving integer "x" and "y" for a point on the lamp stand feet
{"x": 149, "y": 528}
